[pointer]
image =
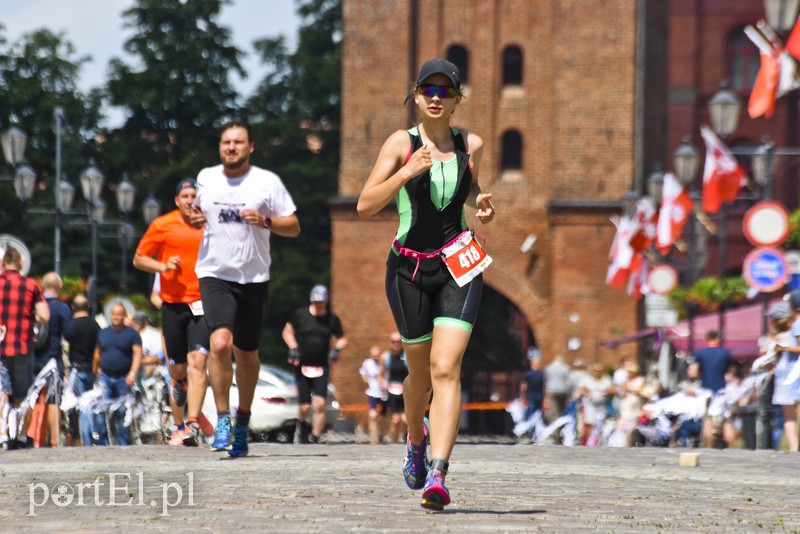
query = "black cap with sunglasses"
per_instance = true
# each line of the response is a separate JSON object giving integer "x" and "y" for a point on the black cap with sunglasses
{"x": 437, "y": 66}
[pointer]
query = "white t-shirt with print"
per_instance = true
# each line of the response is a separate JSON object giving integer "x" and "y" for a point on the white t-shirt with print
{"x": 231, "y": 249}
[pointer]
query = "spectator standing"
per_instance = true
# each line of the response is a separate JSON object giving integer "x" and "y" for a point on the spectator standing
{"x": 532, "y": 386}
{"x": 397, "y": 371}
{"x": 81, "y": 355}
{"x": 308, "y": 335}
{"x": 239, "y": 206}
{"x": 556, "y": 376}
{"x": 783, "y": 341}
{"x": 594, "y": 391}
{"x": 117, "y": 358}
{"x": 21, "y": 304}
{"x": 714, "y": 361}
{"x": 152, "y": 347}
{"x": 59, "y": 327}
{"x": 373, "y": 372}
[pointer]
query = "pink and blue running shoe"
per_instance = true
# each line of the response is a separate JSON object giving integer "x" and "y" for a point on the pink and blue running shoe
{"x": 415, "y": 466}
{"x": 435, "y": 495}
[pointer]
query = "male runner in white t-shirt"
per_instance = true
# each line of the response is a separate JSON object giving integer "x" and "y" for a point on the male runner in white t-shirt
{"x": 238, "y": 206}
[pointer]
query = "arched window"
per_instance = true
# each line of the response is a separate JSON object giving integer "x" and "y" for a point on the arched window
{"x": 459, "y": 56}
{"x": 511, "y": 151}
{"x": 744, "y": 61}
{"x": 512, "y": 65}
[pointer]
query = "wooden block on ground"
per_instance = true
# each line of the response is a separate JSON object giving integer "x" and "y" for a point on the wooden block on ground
{"x": 689, "y": 459}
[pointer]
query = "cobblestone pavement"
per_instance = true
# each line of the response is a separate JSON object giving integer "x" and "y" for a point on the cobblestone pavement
{"x": 342, "y": 487}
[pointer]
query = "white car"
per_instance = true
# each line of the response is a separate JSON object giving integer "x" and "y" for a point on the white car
{"x": 274, "y": 410}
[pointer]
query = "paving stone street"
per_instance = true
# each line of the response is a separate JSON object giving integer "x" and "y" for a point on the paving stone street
{"x": 345, "y": 487}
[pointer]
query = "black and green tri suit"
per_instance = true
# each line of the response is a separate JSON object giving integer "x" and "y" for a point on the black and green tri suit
{"x": 422, "y": 293}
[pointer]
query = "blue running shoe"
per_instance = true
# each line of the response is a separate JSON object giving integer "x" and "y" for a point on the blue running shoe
{"x": 222, "y": 434}
{"x": 435, "y": 495}
{"x": 415, "y": 466}
{"x": 240, "y": 433}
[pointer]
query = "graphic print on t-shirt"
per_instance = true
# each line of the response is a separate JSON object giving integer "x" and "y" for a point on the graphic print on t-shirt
{"x": 230, "y": 213}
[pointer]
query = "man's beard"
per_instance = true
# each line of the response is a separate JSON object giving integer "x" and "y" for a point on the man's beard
{"x": 234, "y": 164}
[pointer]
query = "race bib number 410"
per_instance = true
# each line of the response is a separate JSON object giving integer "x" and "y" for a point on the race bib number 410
{"x": 466, "y": 259}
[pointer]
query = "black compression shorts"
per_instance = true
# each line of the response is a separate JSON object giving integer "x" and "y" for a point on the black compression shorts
{"x": 237, "y": 307}
{"x": 431, "y": 299}
{"x": 183, "y": 331}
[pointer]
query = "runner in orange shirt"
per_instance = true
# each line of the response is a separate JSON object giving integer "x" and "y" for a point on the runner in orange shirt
{"x": 169, "y": 248}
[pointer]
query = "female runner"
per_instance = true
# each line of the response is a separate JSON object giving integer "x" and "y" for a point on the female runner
{"x": 432, "y": 171}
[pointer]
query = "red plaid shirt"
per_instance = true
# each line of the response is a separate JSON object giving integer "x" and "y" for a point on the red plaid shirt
{"x": 18, "y": 296}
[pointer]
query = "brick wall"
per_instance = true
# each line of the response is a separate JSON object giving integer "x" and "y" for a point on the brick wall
{"x": 575, "y": 113}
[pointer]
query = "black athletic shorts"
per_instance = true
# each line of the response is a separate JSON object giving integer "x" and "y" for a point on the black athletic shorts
{"x": 20, "y": 371}
{"x": 237, "y": 307}
{"x": 183, "y": 331}
{"x": 311, "y": 386}
{"x": 430, "y": 297}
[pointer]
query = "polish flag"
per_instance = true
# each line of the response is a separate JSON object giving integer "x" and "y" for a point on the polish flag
{"x": 645, "y": 221}
{"x": 621, "y": 254}
{"x": 722, "y": 175}
{"x": 765, "y": 88}
{"x": 676, "y": 206}
{"x": 793, "y": 43}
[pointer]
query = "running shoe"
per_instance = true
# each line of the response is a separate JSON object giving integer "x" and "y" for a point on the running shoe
{"x": 205, "y": 425}
{"x": 191, "y": 437}
{"x": 178, "y": 436}
{"x": 239, "y": 448}
{"x": 222, "y": 435}
{"x": 179, "y": 392}
{"x": 435, "y": 495}
{"x": 415, "y": 466}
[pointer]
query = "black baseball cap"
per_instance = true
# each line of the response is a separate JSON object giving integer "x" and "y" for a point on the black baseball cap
{"x": 184, "y": 183}
{"x": 437, "y": 66}
{"x": 440, "y": 66}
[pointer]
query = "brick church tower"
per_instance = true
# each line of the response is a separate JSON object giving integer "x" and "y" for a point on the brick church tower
{"x": 551, "y": 86}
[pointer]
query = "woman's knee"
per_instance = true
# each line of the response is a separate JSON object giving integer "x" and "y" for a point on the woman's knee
{"x": 445, "y": 372}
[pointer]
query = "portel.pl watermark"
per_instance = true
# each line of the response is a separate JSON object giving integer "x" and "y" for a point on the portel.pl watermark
{"x": 121, "y": 489}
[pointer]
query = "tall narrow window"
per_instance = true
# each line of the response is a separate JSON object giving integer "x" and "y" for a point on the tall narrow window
{"x": 511, "y": 151}
{"x": 744, "y": 61}
{"x": 459, "y": 56}
{"x": 512, "y": 65}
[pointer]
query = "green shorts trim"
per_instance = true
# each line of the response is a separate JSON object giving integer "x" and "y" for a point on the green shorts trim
{"x": 421, "y": 339}
{"x": 455, "y": 323}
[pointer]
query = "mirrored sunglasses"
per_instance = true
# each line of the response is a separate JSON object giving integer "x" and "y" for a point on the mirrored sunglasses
{"x": 442, "y": 91}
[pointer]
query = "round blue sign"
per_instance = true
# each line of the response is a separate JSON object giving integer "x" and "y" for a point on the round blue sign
{"x": 765, "y": 269}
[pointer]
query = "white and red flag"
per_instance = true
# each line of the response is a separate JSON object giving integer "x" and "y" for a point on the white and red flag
{"x": 676, "y": 206}
{"x": 643, "y": 232}
{"x": 722, "y": 175}
{"x": 621, "y": 254}
{"x": 765, "y": 88}
{"x": 793, "y": 43}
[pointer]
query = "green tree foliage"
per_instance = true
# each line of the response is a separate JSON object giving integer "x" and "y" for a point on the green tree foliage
{"x": 175, "y": 91}
{"x": 296, "y": 134}
{"x": 38, "y": 73}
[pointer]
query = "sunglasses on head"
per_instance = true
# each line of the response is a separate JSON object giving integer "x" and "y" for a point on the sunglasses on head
{"x": 442, "y": 91}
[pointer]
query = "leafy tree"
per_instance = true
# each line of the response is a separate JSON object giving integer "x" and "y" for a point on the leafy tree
{"x": 296, "y": 132}
{"x": 175, "y": 91}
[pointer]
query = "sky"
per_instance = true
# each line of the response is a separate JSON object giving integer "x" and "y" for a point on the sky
{"x": 95, "y": 28}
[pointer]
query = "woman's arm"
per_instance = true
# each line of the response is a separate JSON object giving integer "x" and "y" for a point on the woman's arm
{"x": 477, "y": 199}
{"x": 390, "y": 173}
